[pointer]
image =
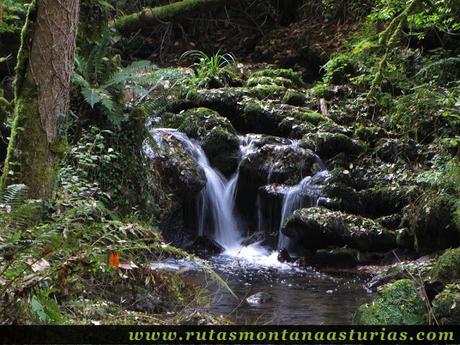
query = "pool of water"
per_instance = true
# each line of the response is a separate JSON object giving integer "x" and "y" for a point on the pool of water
{"x": 294, "y": 295}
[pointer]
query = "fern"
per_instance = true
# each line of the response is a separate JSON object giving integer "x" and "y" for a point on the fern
{"x": 101, "y": 83}
{"x": 442, "y": 69}
{"x": 14, "y": 195}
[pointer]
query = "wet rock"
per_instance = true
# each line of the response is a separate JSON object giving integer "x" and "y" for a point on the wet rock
{"x": 271, "y": 164}
{"x": 176, "y": 166}
{"x": 278, "y": 163}
{"x": 284, "y": 256}
{"x": 316, "y": 228}
{"x": 343, "y": 257}
{"x": 204, "y": 245}
{"x": 222, "y": 149}
{"x": 219, "y": 139}
{"x": 446, "y": 305}
{"x": 421, "y": 268}
{"x": 253, "y": 238}
{"x": 433, "y": 225}
{"x": 269, "y": 205}
{"x": 352, "y": 193}
{"x": 327, "y": 144}
{"x": 397, "y": 303}
{"x": 259, "y": 298}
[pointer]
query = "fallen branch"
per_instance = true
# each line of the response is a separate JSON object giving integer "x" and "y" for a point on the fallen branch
{"x": 171, "y": 12}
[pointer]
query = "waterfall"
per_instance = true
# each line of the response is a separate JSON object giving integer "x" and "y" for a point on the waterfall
{"x": 305, "y": 194}
{"x": 216, "y": 202}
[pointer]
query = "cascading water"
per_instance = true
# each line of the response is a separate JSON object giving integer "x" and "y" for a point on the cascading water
{"x": 216, "y": 201}
{"x": 305, "y": 194}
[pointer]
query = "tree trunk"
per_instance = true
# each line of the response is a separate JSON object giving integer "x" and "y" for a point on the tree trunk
{"x": 144, "y": 19}
{"x": 43, "y": 80}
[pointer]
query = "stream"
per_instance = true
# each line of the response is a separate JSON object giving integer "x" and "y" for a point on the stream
{"x": 285, "y": 294}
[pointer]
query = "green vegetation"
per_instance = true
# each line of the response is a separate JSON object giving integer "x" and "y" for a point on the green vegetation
{"x": 395, "y": 304}
{"x": 371, "y": 87}
{"x": 104, "y": 82}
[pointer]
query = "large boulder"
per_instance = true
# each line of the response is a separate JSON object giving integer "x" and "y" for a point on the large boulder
{"x": 218, "y": 137}
{"x": 271, "y": 163}
{"x": 316, "y": 228}
{"x": 397, "y": 303}
{"x": 269, "y": 206}
{"x": 278, "y": 163}
{"x": 175, "y": 165}
{"x": 352, "y": 193}
{"x": 329, "y": 144}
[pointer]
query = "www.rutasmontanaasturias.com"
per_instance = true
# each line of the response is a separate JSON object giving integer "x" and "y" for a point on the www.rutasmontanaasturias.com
{"x": 290, "y": 336}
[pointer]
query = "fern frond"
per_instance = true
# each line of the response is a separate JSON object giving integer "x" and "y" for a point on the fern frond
{"x": 96, "y": 57}
{"x": 15, "y": 195}
{"x": 441, "y": 64}
{"x": 138, "y": 71}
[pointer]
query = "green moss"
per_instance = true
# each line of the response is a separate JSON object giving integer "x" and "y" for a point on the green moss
{"x": 266, "y": 91}
{"x": 255, "y": 81}
{"x": 136, "y": 21}
{"x": 197, "y": 122}
{"x": 23, "y": 54}
{"x": 446, "y": 305}
{"x": 320, "y": 90}
{"x": 252, "y": 106}
{"x": 60, "y": 147}
{"x": 288, "y": 74}
{"x": 29, "y": 159}
{"x": 447, "y": 267}
{"x": 368, "y": 133}
{"x": 313, "y": 117}
{"x": 295, "y": 98}
{"x": 397, "y": 303}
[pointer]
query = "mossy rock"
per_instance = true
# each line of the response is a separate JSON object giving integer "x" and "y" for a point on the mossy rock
{"x": 328, "y": 144}
{"x": 318, "y": 228}
{"x": 295, "y": 98}
{"x": 222, "y": 149}
{"x": 446, "y": 305}
{"x": 267, "y": 91}
{"x": 369, "y": 134}
{"x": 177, "y": 168}
{"x": 257, "y": 81}
{"x": 447, "y": 267}
{"x": 397, "y": 303}
{"x": 433, "y": 224}
{"x": 278, "y": 163}
{"x": 198, "y": 121}
{"x": 384, "y": 201}
{"x": 287, "y": 74}
{"x": 219, "y": 139}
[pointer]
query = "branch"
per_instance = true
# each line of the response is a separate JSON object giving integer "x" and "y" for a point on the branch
{"x": 171, "y": 12}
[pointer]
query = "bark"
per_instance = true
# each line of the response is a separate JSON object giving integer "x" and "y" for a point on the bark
{"x": 43, "y": 80}
{"x": 172, "y": 12}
